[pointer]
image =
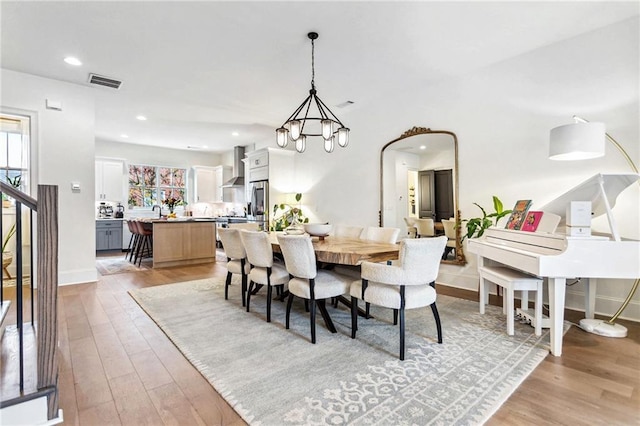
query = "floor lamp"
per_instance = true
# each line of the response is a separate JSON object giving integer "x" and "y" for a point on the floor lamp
{"x": 579, "y": 141}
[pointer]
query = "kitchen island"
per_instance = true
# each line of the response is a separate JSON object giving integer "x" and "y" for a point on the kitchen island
{"x": 184, "y": 241}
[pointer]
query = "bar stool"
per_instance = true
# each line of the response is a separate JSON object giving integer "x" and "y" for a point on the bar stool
{"x": 133, "y": 241}
{"x": 512, "y": 280}
{"x": 145, "y": 241}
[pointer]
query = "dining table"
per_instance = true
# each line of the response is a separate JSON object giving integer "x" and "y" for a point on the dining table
{"x": 331, "y": 251}
{"x": 346, "y": 251}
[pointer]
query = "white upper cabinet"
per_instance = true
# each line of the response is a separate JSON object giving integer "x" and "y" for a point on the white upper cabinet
{"x": 109, "y": 178}
{"x": 208, "y": 181}
{"x": 204, "y": 184}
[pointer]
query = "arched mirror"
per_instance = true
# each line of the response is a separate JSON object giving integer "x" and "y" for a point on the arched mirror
{"x": 419, "y": 180}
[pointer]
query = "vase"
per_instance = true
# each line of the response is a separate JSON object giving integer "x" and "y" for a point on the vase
{"x": 295, "y": 228}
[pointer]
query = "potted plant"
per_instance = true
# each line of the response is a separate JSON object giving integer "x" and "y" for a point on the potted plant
{"x": 289, "y": 215}
{"x": 171, "y": 203}
{"x": 16, "y": 182}
{"x": 7, "y": 256}
{"x": 477, "y": 225}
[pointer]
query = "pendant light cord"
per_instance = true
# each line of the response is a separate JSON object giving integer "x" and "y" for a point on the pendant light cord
{"x": 313, "y": 66}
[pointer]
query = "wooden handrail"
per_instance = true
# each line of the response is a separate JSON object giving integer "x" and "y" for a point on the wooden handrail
{"x": 28, "y": 201}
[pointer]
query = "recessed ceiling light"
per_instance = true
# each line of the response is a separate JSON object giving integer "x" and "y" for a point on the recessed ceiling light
{"x": 141, "y": 117}
{"x": 235, "y": 134}
{"x": 124, "y": 136}
{"x": 423, "y": 147}
{"x": 72, "y": 61}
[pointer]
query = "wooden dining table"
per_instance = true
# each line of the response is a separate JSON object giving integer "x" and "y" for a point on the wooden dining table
{"x": 346, "y": 251}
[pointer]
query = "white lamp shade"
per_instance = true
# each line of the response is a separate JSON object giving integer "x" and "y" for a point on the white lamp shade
{"x": 578, "y": 141}
{"x": 343, "y": 136}
{"x": 294, "y": 129}
{"x": 327, "y": 129}
{"x": 301, "y": 144}
{"x": 328, "y": 145}
{"x": 281, "y": 137}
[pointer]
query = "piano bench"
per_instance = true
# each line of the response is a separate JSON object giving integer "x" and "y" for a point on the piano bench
{"x": 511, "y": 280}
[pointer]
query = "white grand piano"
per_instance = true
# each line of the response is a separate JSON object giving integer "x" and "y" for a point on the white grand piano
{"x": 557, "y": 257}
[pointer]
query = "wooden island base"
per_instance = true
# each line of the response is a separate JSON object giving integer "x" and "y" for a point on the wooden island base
{"x": 179, "y": 243}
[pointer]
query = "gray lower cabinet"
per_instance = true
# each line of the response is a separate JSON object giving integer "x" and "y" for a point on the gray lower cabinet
{"x": 108, "y": 235}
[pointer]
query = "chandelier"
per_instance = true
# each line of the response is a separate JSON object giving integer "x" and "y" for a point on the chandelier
{"x": 299, "y": 127}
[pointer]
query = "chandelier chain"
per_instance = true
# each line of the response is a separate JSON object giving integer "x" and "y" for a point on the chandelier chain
{"x": 313, "y": 67}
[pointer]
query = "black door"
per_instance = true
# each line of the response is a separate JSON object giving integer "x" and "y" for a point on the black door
{"x": 427, "y": 200}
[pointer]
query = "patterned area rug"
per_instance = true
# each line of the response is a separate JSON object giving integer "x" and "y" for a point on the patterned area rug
{"x": 274, "y": 376}
{"x": 119, "y": 265}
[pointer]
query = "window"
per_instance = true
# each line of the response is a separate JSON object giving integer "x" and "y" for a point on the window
{"x": 14, "y": 150}
{"x": 151, "y": 185}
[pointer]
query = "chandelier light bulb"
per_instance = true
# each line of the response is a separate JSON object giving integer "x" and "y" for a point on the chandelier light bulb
{"x": 282, "y": 137}
{"x": 295, "y": 129}
{"x": 328, "y": 145}
{"x": 327, "y": 129}
{"x": 301, "y": 144}
{"x": 343, "y": 137}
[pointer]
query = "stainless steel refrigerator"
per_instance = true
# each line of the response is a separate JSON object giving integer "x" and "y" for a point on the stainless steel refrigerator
{"x": 258, "y": 207}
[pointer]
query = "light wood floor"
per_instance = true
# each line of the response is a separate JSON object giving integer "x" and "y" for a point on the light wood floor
{"x": 117, "y": 367}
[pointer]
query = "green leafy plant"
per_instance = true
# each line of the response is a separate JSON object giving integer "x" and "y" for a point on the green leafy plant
{"x": 285, "y": 214}
{"x": 477, "y": 225}
{"x": 7, "y": 237}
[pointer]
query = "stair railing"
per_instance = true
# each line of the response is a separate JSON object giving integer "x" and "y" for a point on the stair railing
{"x": 46, "y": 207}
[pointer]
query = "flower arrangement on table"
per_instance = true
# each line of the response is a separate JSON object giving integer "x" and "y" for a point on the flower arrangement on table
{"x": 171, "y": 203}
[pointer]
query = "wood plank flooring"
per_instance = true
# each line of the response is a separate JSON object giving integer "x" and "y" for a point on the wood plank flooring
{"x": 117, "y": 367}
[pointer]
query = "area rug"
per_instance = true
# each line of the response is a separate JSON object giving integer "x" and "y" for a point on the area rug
{"x": 119, "y": 265}
{"x": 274, "y": 376}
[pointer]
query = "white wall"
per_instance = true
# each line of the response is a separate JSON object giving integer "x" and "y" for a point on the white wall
{"x": 65, "y": 144}
{"x": 502, "y": 117}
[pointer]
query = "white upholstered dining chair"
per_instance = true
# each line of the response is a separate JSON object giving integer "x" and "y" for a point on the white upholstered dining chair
{"x": 409, "y": 284}
{"x": 449, "y": 226}
{"x": 263, "y": 269}
{"x": 236, "y": 259}
{"x": 425, "y": 228}
{"x": 346, "y": 231}
{"x": 309, "y": 283}
{"x": 411, "y": 226}
{"x": 380, "y": 234}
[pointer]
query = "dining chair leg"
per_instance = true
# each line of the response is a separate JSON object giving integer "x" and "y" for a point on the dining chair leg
{"x": 312, "y": 318}
{"x": 367, "y": 306}
{"x": 126, "y": 253}
{"x": 289, "y": 303}
{"x": 269, "y": 287}
{"x": 395, "y": 317}
{"x": 244, "y": 289}
{"x": 227, "y": 283}
{"x": 306, "y": 305}
{"x": 249, "y": 294}
{"x": 401, "y": 334}
{"x": 434, "y": 309}
{"x": 354, "y": 316}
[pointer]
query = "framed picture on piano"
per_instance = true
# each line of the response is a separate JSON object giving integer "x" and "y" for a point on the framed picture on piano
{"x": 531, "y": 221}
{"x": 518, "y": 214}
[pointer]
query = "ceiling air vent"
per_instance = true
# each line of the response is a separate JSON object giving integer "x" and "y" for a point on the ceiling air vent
{"x": 101, "y": 80}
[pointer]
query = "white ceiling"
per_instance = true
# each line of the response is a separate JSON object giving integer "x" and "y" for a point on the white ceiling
{"x": 202, "y": 70}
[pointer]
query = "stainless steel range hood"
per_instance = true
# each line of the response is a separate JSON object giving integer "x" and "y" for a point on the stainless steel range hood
{"x": 238, "y": 169}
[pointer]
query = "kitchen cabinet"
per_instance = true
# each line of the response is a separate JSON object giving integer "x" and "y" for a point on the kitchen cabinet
{"x": 207, "y": 183}
{"x": 108, "y": 235}
{"x": 276, "y": 166}
{"x": 223, "y": 174}
{"x": 109, "y": 180}
{"x": 183, "y": 243}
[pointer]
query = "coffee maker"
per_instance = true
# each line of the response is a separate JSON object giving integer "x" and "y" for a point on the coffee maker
{"x": 105, "y": 210}
{"x": 119, "y": 211}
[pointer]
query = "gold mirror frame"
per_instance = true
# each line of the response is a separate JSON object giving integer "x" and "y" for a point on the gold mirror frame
{"x": 415, "y": 131}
